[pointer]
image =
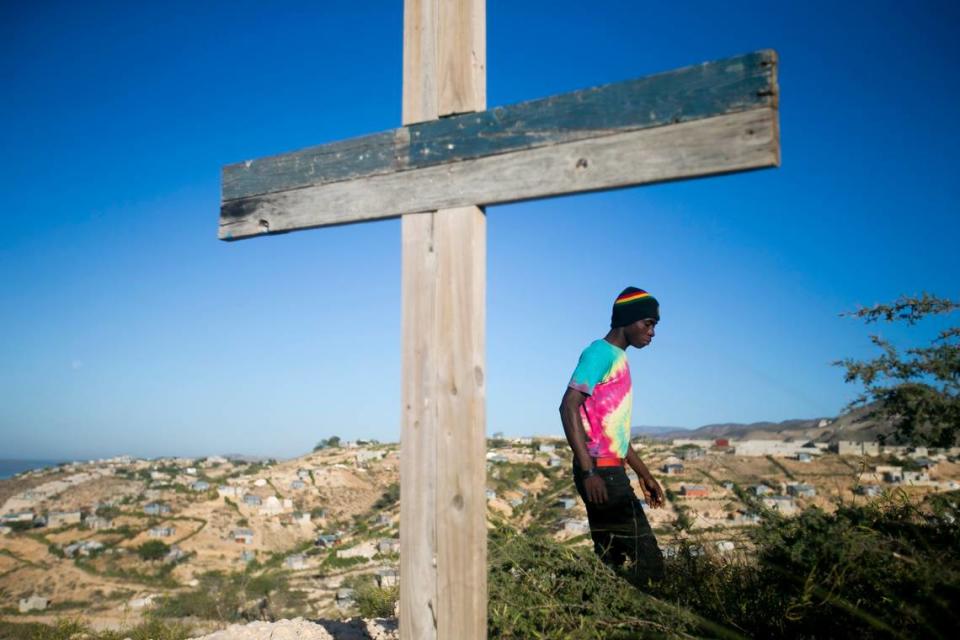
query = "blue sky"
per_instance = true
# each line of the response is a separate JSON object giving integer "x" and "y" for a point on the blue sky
{"x": 127, "y": 327}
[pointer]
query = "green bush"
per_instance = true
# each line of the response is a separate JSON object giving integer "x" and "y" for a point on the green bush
{"x": 375, "y": 602}
{"x": 542, "y": 589}
{"x": 883, "y": 570}
{"x": 153, "y": 550}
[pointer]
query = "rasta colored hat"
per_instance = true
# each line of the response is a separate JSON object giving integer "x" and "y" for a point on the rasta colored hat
{"x": 634, "y": 304}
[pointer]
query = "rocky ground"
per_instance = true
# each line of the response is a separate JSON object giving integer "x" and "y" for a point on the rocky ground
{"x": 300, "y": 629}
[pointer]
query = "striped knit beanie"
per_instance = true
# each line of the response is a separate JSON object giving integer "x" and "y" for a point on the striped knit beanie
{"x": 634, "y": 304}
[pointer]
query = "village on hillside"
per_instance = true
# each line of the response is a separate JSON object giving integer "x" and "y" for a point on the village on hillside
{"x": 113, "y": 540}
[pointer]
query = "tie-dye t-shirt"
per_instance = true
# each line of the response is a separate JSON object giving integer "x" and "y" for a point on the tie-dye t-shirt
{"x": 604, "y": 375}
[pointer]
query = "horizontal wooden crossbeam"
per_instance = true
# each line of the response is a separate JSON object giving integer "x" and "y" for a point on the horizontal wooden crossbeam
{"x": 712, "y": 118}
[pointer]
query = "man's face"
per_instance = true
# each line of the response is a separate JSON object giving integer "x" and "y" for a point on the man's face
{"x": 640, "y": 333}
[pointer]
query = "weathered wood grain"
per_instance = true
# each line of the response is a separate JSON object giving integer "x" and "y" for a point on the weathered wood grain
{"x": 418, "y": 431}
{"x": 736, "y": 142}
{"x": 732, "y": 85}
{"x": 442, "y": 446}
{"x": 460, "y": 246}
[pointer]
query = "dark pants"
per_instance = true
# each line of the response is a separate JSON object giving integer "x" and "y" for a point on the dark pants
{"x": 619, "y": 527}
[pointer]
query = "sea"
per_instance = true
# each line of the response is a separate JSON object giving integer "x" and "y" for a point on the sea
{"x": 10, "y": 468}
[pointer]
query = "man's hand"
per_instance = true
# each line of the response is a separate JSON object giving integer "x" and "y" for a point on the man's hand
{"x": 596, "y": 489}
{"x": 652, "y": 492}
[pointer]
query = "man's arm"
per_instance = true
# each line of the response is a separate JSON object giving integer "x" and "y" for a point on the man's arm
{"x": 596, "y": 490}
{"x": 650, "y": 487}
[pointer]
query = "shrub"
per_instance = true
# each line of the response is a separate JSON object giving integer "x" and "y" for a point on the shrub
{"x": 542, "y": 589}
{"x": 375, "y": 602}
{"x": 882, "y": 570}
{"x": 153, "y": 550}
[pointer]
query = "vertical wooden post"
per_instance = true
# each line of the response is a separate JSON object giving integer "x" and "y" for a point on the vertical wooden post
{"x": 443, "y": 573}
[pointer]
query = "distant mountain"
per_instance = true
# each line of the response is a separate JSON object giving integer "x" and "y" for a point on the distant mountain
{"x": 853, "y": 425}
{"x": 643, "y": 431}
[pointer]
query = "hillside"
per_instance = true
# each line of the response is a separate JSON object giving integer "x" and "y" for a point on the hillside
{"x": 853, "y": 425}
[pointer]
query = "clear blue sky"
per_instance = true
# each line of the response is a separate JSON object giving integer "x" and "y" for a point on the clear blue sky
{"x": 127, "y": 327}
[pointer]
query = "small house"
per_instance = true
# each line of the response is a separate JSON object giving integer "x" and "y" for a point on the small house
{"x": 672, "y": 469}
{"x": 227, "y": 491}
{"x": 694, "y": 491}
{"x": 295, "y": 562}
{"x": 722, "y": 443}
{"x": 242, "y": 535}
{"x": 780, "y": 504}
{"x": 728, "y": 485}
{"x": 161, "y": 532}
{"x": 345, "y": 598}
{"x": 252, "y": 500}
{"x": 725, "y": 546}
{"x": 156, "y": 509}
{"x": 303, "y": 474}
{"x": 297, "y": 485}
{"x": 84, "y": 548}
{"x": 803, "y": 456}
{"x": 690, "y": 453}
{"x": 200, "y": 485}
{"x": 869, "y": 490}
{"x": 555, "y": 461}
{"x": 761, "y": 490}
{"x": 387, "y": 577}
{"x": 175, "y": 555}
{"x": 63, "y": 518}
{"x": 566, "y": 503}
{"x": 801, "y": 490}
{"x": 272, "y": 506}
{"x": 491, "y": 494}
{"x": 33, "y": 603}
{"x": 327, "y": 540}
{"x": 545, "y": 447}
{"x": 97, "y": 523}
{"x": 388, "y": 545}
{"x": 247, "y": 556}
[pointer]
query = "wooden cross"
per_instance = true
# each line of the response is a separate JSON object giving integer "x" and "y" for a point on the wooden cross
{"x": 450, "y": 158}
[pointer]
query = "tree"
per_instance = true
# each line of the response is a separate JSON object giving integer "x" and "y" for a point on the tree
{"x": 328, "y": 443}
{"x": 918, "y": 389}
{"x": 153, "y": 550}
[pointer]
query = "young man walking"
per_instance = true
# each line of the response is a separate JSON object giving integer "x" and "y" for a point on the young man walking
{"x": 595, "y": 412}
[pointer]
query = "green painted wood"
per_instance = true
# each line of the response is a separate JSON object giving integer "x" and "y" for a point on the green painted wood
{"x": 732, "y": 85}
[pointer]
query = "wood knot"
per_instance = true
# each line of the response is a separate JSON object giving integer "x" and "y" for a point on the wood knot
{"x": 582, "y": 163}
{"x": 264, "y": 225}
{"x": 458, "y": 502}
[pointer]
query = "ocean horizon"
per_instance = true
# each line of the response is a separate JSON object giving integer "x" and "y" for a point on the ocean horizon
{"x": 10, "y": 468}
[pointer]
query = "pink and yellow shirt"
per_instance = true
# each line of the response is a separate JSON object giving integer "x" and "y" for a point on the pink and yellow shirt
{"x": 604, "y": 375}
